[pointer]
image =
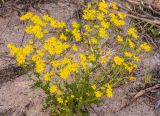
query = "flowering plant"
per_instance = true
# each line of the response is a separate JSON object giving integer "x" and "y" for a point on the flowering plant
{"x": 76, "y": 64}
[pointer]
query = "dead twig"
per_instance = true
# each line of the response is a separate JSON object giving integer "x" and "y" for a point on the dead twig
{"x": 140, "y": 94}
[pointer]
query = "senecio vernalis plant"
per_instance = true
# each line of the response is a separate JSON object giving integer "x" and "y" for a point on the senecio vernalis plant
{"x": 77, "y": 64}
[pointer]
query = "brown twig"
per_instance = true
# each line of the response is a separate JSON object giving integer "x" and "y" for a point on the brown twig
{"x": 141, "y": 93}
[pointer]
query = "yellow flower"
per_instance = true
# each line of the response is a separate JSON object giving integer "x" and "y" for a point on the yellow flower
{"x": 102, "y": 32}
{"x": 27, "y": 16}
{"x": 76, "y": 34}
{"x": 40, "y": 66}
{"x": 114, "y": 6}
{"x": 54, "y": 46}
{"x": 82, "y": 57}
{"x": 73, "y": 67}
{"x": 103, "y": 60}
{"x": 83, "y": 60}
{"x": 98, "y": 94}
{"x": 103, "y": 7}
{"x": 128, "y": 54}
{"x": 89, "y": 14}
{"x": 20, "y": 58}
{"x": 47, "y": 77}
{"x": 63, "y": 37}
{"x": 119, "y": 39}
{"x": 61, "y": 24}
{"x": 87, "y": 28}
{"x": 105, "y": 24}
{"x": 94, "y": 87}
{"x": 89, "y": 6}
{"x": 114, "y": 19}
{"x": 118, "y": 60}
{"x": 68, "y": 69}
{"x": 84, "y": 64}
{"x": 75, "y": 25}
{"x": 135, "y": 58}
{"x": 53, "y": 89}
{"x": 100, "y": 16}
{"x": 135, "y": 66}
{"x": 64, "y": 73}
{"x": 131, "y": 44}
{"x": 36, "y": 30}
{"x": 47, "y": 18}
{"x": 109, "y": 91}
{"x": 74, "y": 48}
{"x": 128, "y": 67}
{"x": 132, "y": 32}
{"x": 92, "y": 57}
{"x": 131, "y": 78}
{"x": 37, "y": 20}
{"x": 27, "y": 49}
{"x": 94, "y": 40}
{"x": 121, "y": 16}
{"x": 55, "y": 63}
{"x": 12, "y": 48}
{"x": 146, "y": 47}
{"x": 60, "y": 100}
{"x": 64, "y": 61}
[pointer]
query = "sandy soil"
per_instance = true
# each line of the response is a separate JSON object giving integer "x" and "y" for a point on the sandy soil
{"x": 17, "y": 98}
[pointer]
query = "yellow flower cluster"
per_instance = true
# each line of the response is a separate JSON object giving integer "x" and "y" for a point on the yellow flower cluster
{"x": 92, "y": 57}
{"x": 83, "y": 60}
{"x": 106, "y": 89}
{"x": 89, "y": 14}
{"x": 74, "y": 48}
{"x": 20, "y": 53}
{"x": 66, "y": 71}
{"x": 102, "y": 32}
{"x": 36, "y": 30}
{"x": 54, "y": 23}
{"x": 53, "y": 88}
{"x": 54, "y": 46}
{"x": 130, "y": 66}
{"x": 119, "y": 39}
{"x": 102, "y": 6}
{"x": 47, "y": 76}
{"x": 39, "y": 61}
{"x": 80, "y": 49}
{"x": 76, "y": 32}
{"x": 132, "y": 32}
{"x": 117, "y": 20}
{"x": 27, "y": 16}
{"x": 146, "y": 47}
{"x": 109, "y": 91}
{"x": 98, "y": 94}
{"x": 118, "y": 60}
{"x": 131, "y": 44}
